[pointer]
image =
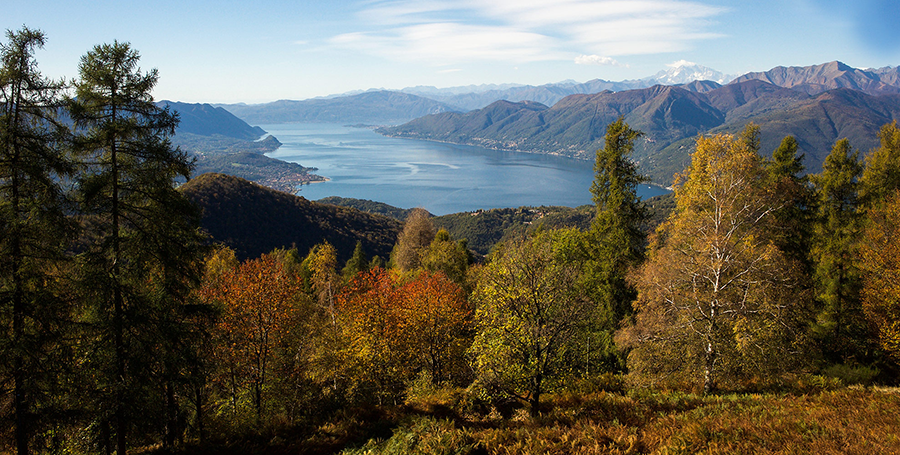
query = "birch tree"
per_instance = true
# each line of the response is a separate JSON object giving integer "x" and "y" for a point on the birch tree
{"x": 717, "y": 298}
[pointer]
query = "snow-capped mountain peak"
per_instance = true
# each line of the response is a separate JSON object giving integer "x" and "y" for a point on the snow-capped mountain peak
{"x": 684, "y": 72}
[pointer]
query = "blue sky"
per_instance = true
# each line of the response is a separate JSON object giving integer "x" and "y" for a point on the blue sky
{"x": 264, "y": 50}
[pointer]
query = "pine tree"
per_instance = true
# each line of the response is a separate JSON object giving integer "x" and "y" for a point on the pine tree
{"x": 615, "y": 242}
{"x": 143, "y": 255}
{"x": 793, "y": 218}
{"x": 841, "y": 327}
{"x": 33, "y": 227}
{"x": 356, "y": 264}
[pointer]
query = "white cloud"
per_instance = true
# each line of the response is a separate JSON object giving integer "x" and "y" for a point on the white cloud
{"x": 446, "y": 43}
{"x": 596, "y": 60}
{"x": 448, "y": 32}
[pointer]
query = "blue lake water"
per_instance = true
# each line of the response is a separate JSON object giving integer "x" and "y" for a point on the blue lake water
{"x": 441, "y": 178}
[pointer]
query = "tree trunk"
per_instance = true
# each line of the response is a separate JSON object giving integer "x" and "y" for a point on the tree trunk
{"x": 171, "y": 417}
{"x": 20, "y": 382}
{"x": 534, "y": 403}
{"x": 104, "y": 436}
{"x": 709, "y": 380}
{"x": 23, "y": 424}
{"x": 199, "y": 410}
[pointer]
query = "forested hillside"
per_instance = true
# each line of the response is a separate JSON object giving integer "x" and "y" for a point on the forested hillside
{"x": 365, "y": 205}
{"x": 252, "y": 219}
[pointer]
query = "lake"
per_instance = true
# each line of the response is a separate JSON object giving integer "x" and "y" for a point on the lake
{"x": 441, "y": 178}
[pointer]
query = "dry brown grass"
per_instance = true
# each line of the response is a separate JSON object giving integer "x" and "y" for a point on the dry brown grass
{"x": 845, "y": 421}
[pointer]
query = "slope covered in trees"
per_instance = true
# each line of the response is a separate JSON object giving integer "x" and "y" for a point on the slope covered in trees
{"x": 483, "y": 229}
{"x": 253, "y": 219}
{"x": 365, "y": 205}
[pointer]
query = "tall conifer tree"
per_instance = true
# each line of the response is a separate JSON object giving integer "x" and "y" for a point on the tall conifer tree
{"x": 142, "y": 258}
{"x": 33, "y": 228}
{"x": 615, "y": 242}
{"x": 793, "y": 219}
{"x": 841, "y": 326}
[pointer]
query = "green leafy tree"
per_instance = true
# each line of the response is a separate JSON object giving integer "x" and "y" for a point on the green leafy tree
{"x": 530, "y": 317}
{"x": 717, "y": 298}
{"x": 142, "y": 256}
{"x": 33, "y": 229}
{"x": 615, "y": 242}
{"x": 841, "y": 328}
{"x": 445, "y": 255}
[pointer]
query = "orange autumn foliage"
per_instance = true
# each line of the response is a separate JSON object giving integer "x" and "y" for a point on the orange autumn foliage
{"x": 257, "y": 300}
{"x": 396, "y": 329}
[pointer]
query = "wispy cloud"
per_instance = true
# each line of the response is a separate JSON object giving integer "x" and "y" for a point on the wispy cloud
{"x": 445, "y": 43}
{"x": 445, "y": 32}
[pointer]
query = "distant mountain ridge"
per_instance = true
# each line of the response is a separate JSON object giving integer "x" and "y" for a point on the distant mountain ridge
{"x": 671, "y": 117}
{"x": 687, "y": 72}
{"x": 207, "y": 120}
{"x": 375, "y": 107}
{"x": 816, "y": 79}
{"x": 550, "y": 94}
{"x": 387, "y": 107}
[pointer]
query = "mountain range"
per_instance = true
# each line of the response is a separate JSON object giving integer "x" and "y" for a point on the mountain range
{"x": 829, "y": 76}
{"x": 376, "y": 107}
{"x": 471, "y": 97}
{"x": 817, "y": 105}
{"x": 208, "y": 120}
